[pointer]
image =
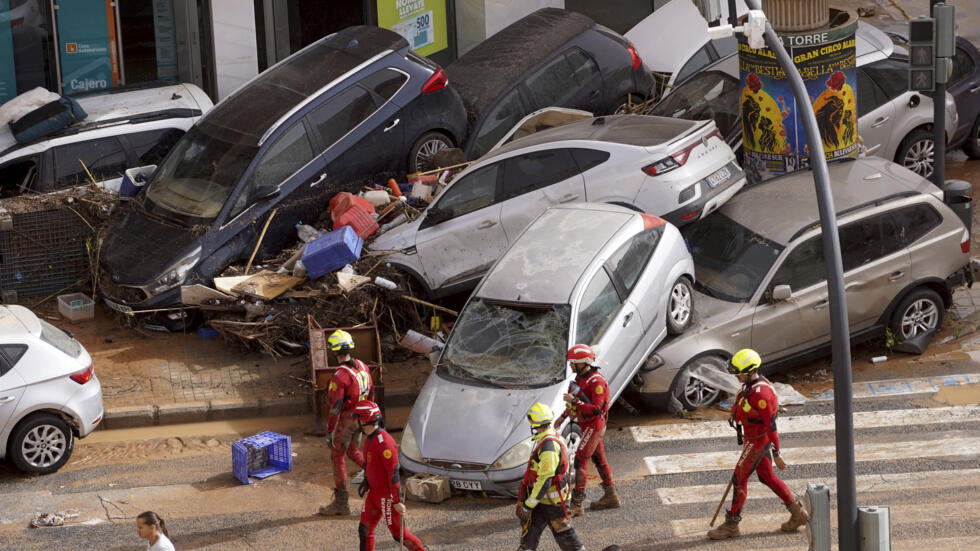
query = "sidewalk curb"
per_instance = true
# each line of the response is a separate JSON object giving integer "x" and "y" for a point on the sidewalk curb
{"x": 222, "y": 409}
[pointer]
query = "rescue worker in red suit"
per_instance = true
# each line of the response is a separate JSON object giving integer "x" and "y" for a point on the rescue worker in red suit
{"x": 754, "y": 412}
{"x": 381, "y": 482}
{"x": 350, "y": 384}
{"x": 544, "y": 490}
{"x": 587, "y": 402}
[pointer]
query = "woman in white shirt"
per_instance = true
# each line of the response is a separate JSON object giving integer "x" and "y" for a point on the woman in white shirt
{"x": 151, "y": 527}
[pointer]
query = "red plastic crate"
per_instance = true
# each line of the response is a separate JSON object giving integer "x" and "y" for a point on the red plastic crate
{"x": 359, "y": 219}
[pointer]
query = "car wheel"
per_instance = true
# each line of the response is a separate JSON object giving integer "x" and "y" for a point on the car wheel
{"x": 425, "y": 147}
{"x": 41, "y": 444}
{"x": 692, "y": 392}
{"x": 680, "y": 306}
{"x": 972, "y": 145}
{"x": 920, "y": 312}
{"x": 917, "y": 152}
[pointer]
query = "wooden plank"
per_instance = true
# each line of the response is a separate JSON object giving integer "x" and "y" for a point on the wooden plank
{"x": 266, "y": 285}
{"x": 226, "y": 284}
{"x": 196, "y": 295}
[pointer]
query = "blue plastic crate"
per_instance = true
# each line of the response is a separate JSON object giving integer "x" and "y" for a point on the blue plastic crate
{"x": 331, "y": 251}
{"x": 280, "y": 456}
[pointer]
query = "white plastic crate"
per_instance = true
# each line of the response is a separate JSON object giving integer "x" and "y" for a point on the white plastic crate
{"x": 76, "y": 306}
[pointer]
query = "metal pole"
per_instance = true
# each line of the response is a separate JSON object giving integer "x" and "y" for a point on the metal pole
{"x": 840, "y": 336}
{"x": 938, "y": 125}
{"x": 732, "y": 13}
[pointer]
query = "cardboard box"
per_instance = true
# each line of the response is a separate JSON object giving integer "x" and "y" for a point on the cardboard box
{"x": 430, "y": 488}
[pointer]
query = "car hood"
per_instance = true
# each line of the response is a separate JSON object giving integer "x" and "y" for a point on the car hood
{"x": 139, "y": 249}
{"x": 397, "y": 238}
{"x": 459, "y": 422}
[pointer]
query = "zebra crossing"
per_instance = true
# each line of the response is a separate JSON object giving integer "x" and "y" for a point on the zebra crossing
{"x": 922, "y": 462}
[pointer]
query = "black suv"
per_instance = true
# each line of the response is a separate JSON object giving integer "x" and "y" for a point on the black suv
{"x": 348, "y": 106}
{"x": 552, "y": 57}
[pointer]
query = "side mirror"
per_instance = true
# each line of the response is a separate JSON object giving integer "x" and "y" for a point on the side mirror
{"x": 914, "y": 101}
{"x": 781, "y": 292}
{"x": 435, "y": 216}
{"x": 264, "y": 193}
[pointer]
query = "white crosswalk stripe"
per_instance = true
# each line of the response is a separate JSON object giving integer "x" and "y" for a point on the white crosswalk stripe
{"x": 811, "y": 423}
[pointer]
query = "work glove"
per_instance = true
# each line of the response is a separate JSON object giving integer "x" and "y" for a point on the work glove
{"x": 363, "y": 487}
{"x": 329, "y": 439}
{"x": 399, "y": 508}
{"x": 523, "y": 513}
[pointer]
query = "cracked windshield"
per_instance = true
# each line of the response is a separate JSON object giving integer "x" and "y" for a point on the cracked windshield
{"x": 508, "y": 345}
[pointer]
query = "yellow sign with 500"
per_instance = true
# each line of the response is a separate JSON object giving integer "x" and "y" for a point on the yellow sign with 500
{"x": 421, "y": 22}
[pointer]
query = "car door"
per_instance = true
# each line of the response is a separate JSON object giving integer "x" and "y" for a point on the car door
{"x": 104, "y": 159}
{"x": 964, "y": 85}
{"x": 876, "y": 267}
{"x": 460, "y": 235}
{"x": 11, "y": 383}
{"x": 557, "y": 83}
{"x": 19, "y": 176}
{"x": 891, "y": 76}
{"x": 589, "y": 79}
{"x": 609, "y": 322}
{"x": 499, "y": 119}
{"x": 534, "y": 181}
{"x": 876, "y": 115}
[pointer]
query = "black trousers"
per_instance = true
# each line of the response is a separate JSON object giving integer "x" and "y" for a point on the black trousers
{"x": 553, "y": 517}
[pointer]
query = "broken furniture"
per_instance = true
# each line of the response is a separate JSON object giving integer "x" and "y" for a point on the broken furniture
{"x": 323, "y": 364}
{"x": 261, "y": 456}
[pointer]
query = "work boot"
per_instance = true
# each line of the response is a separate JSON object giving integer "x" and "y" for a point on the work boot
{"x": 339, "y": 507}
{"x": 578, "y": 498}
{"x": 727, "y": 530}
{"x": 797, "y": 518}
{"x": 609, "y": 500}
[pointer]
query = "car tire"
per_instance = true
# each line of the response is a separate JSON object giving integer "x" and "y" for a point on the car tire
{"x": 693, "y": 393}
{"x": 919, "y": 312}
{"x": 916, "y": 151}
{"x": 972, "y": 145}
{"x": 424, "y": 148}
{"x": 680, "y": 306}
{"x": 41, "y": 444}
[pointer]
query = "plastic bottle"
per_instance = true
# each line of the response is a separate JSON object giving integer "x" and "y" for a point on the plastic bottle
{"x": 377, "y": 198}
{"x": 299, "y": 270}
{"x": 348, "y": 269}
{"x": 306, "y": 233}
{"x": 394, "y": 222}
{"x": 386, "y": 283}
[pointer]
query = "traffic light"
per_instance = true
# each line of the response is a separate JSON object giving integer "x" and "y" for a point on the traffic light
{"x": 922, "y": 54}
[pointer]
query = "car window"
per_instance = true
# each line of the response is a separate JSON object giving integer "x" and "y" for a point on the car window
{"x": 552, "y": 84}
{"x": 891, "y": 75}
{"x": 600, "y": 302}
{"x": 59, "y": 339}
{"x": 104, "y": 159}
{"x": 915, "y": 221}
{"x": 803, "y": 267}
{"x": 868, "y": 240}
{"x": 583, "y": 67}
{"x": 526, "y": 173}
{"x": 291, "y": 152}
{"x": 870, "y": 96}
{"x": 385, "y": 82}
{"x": 498, "y": 121}
{"x": 588, "y": 158}
{"x": 341, "y": 114}
{"x": 962, "y": 66}
{"x": 628, "y": 261}
{"x": 18, "y": 176}
{"x": 152, "y": 146}
{"x": 709, "y": 95}
{"x": 12, "y": 354}
{"x": 697, "y": 61}
{"x": 474, "y": 191}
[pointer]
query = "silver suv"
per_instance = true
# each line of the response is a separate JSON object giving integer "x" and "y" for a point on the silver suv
{"x": 761, "y": 274}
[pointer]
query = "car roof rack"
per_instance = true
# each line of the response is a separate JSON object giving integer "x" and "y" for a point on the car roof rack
{"x": 872, "y": 203}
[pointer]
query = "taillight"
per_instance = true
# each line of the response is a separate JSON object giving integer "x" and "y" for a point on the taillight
{"x": 965, "y": 243}
{"x": 676, "y": 160}
{"x": 690, "y": 215}
{"x": 436, "y": 82}
{"x": 83, "y": 376}
{"x": 651, "y": 221}
{"x": 635, "y": 57}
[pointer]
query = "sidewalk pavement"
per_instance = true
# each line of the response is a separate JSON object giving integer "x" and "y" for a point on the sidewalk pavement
{"x": 154, "y": 378}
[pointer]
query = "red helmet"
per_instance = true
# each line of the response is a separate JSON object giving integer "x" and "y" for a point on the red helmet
{"x": 581, "y": 353}
{"x": 367, "y": 412}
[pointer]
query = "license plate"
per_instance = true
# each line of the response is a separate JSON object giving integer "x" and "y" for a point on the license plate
{"x": 118, "y": 307}
{"x": 466, "y": 484}
{"x": 719, "y": 176}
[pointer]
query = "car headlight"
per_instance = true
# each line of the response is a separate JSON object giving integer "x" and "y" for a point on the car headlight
{"x": 514, "y": 457}
{"x": 176, "y": 274}
{"x": 409, "y": 446}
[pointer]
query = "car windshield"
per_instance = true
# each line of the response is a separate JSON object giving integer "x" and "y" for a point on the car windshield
{"x": 730, "y": 259}
{"x": 508, "y": 345}
{"x": 200, "y": 174}
{"x": 712, "y": 95}
{"x": 59, "y": 339}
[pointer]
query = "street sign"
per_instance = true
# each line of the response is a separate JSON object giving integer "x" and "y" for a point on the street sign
{"x": 922, "y": 54}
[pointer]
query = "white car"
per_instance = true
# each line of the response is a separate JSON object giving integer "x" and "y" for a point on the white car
{"x": 49, "y": 394}
{"x": 585, "y": 273}
{"x": 681, "y": 171}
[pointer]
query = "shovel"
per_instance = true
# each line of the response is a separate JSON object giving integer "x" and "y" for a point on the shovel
{"x": 401, "y": 534}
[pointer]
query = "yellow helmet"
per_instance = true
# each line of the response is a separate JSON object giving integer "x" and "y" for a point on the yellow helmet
{"x": 340, "y": 341}
{"x": 744, "y": 361}
{"x": 540, "y": 415}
